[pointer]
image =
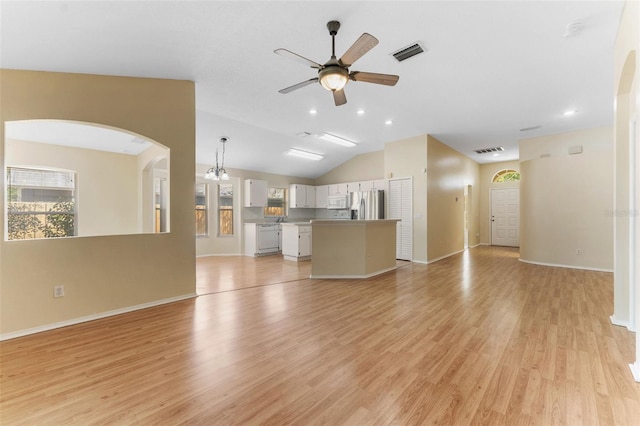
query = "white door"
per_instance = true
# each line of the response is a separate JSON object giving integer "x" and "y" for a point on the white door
{"x": 505, "y": 217}
{"x": 401, "y": 207}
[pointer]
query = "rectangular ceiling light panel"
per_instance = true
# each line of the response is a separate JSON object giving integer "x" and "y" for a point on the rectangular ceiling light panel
{"x": 304, "y": 154}
{"x": 336, "y": 139}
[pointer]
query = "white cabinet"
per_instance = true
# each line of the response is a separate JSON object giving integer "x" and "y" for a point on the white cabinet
{"x": 338, "y": 189}
{"x": 255, "y": 193}
{"x": 261, "y": 238}
{"x": 302, "y": 196}
{"x": 367, "y": 185}
{"x": 296, "y": 241}
{"x": 380, "y": 184}
{"x": 322, "y": 193}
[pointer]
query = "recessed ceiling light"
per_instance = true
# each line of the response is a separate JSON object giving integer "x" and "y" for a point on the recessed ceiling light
{"x": 313, "y": 111}
{"x": 360, "y": 112}
{"x": 569, "y": 112}
{"x": 304, "y": 154}
{"x": 388, "y": 122}
{"x": 336, "y": 139}
{"x": 495, "y": 154}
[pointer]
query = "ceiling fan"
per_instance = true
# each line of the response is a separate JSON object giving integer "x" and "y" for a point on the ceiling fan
{"x": 334, "y": 74}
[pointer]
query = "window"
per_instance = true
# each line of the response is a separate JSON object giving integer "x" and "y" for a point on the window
{"x": 40, "y": 203}
{"x": 276, "y": 202}
{"x": 202, "y": 224}
{"x": 225, "y": 209}
{"x": 506, "y": 175}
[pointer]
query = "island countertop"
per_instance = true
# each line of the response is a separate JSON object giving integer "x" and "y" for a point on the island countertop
{"x": 350, "y": 222}
{"x": 353, "y": 248}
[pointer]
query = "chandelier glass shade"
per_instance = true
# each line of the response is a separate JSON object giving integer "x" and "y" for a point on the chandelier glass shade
{"x": 218, "y": 172}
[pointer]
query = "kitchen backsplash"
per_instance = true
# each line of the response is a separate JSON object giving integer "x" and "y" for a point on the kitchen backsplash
{"x": 256, "y": 214}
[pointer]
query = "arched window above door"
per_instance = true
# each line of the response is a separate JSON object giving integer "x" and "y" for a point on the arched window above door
{"x": 506, "y": 175}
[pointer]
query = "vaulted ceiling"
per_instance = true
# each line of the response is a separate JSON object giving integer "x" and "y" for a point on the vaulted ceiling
{"x": 490, "y": 69}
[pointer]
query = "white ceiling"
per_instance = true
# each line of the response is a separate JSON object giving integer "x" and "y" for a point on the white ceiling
{"x": 491, "y": 68}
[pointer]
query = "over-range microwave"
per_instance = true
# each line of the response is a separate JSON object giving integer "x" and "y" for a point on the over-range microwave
{"x": 338, "y": 202}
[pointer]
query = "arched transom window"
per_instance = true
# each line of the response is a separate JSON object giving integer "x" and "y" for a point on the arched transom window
{"x": 506, "y": 175}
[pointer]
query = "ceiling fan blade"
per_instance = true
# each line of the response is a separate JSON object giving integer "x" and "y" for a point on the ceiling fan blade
{"x": 371, "y": 77}
{"x": 298, "y": 86}
{"x": 339, "y": 97}
{"x": 288, "y": 54}
{"x": 365, "y": 43}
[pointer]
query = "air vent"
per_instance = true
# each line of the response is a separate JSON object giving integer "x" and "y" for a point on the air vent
{"x": 303, "y": 134}
{"x": 138, "y": 141}
{"x": 408, "y": 52}
{"x": 488, "y": 150}
{"x": 526, "y": 129}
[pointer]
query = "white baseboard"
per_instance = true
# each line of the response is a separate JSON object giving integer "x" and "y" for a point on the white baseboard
{"x": 220, "y": 255}
{"x": 423, "y": 262}
{"x": 47, "y": 327}
{"x": 342, "y": 277}
{"x": 635, "y": 370}
{"x": 444, "y": 257}
{"x": 478, "y": 245}
{"x": 559, "y": 265}
{"x": 620, "y": 323}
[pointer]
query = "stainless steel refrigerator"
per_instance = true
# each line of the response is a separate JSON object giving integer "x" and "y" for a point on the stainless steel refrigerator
{"x": 367, "y": 205}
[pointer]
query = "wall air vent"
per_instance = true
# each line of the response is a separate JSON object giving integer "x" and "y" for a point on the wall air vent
{"x": 488, "y": 150}
{"x": 408, "y": 52}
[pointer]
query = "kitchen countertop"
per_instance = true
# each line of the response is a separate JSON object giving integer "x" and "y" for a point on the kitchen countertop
{"x": 351, "y": 222}
{"x": 294, "y": 223}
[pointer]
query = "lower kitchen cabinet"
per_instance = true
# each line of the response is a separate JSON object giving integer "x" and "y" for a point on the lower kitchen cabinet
{"x": 261, "y": 239}
{"x": 296, "y": 241}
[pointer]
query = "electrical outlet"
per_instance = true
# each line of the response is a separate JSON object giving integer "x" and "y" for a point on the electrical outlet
{"x": 578, "y": 252}
{"x": 58, "y": 291}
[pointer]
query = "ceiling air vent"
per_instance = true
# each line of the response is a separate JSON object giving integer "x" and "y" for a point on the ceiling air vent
{"x": 526, "y": 129}
{"x": 487, "y": 150}
{"x": 408, "y": 52}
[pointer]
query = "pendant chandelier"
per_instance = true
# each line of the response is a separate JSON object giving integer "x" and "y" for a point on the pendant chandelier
{"x": 218, "y": 172}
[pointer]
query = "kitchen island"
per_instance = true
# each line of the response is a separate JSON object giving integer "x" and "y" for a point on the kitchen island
{"x": 353, "y": 248}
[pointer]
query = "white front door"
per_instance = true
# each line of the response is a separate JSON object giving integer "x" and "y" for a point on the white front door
{"x": 505, "y": 217}
{"x": 401, "y": 207}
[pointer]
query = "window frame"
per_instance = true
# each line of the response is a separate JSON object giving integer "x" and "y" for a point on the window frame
{"x": 220, "y": 210}
{"x": 204, "y": 208}
{"x": 49, "y": 205}
{"x": 501, "y": 173}
{"x": 285, "y": 202}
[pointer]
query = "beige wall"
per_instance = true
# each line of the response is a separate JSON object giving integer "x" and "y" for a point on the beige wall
{"x": 448, "y": 173}
{"x": 369, "y": 166}
{"x": 101, "y": 274}
{"x": 627, "y": 107}
{"x": 107, "y": 203}
{"x": 215, "y": 245}
{"x": 487, "y": 172}
{"x": 566, "y": 200}
{"x": 408, "y": 158}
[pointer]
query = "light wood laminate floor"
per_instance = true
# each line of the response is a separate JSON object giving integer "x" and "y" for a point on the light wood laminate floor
{"x": 478, "y": 338}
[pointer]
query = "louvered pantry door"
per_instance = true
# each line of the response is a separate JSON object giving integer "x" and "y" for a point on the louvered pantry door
{"x": 401, "y": 207}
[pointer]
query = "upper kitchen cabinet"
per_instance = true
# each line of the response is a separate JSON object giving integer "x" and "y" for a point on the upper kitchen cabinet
{"x": 322, "y": 193}
{"x": 365, "y": 186}
{"x": 255, "y": 193}
{"x": 302, "y": 196}
{"x": 338, "y": 189}
{"x": 380, "y": 185}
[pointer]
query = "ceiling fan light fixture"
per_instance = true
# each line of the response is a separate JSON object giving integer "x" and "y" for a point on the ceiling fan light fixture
{"x": 333, "y": 78}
